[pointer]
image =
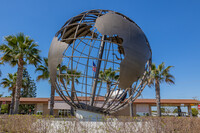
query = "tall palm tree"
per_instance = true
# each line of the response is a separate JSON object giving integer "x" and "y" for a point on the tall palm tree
{"x": 157, "y": 76}
{"x": 45, "y": 75}
{"x": 19, "y": 50}
{"x": 108, "y": 76}
{"x": 10, "y": 83}
{"x": 72, "y": 75}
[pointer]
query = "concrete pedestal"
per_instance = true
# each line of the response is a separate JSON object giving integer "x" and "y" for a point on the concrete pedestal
{"x": 87, "y": 115}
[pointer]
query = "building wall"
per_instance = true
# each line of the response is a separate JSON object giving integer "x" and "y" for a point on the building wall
{"x": 137, "y": 108}
{"x": 45, "y": 109}
{"x": 123, "y": 112}
{"x": 39, "y": 107}
{"x": 142, "y": 108}
{"x": 55, "y": 112}
{"x": 59, "y": 105}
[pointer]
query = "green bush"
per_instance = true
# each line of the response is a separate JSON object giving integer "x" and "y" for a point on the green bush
{"x": 4, "y": 108}
{"x": 194, "y": 112}
{"x": 39, "y": 113}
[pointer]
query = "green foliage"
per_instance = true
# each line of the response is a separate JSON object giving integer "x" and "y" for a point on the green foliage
{"x": 9, "y": 82}
{"x": 1, "y": 95}
{"x": 76, "y": 76}
{"x": 194, "y": 112}
{"x": 156, "y": 77}
{"x": 162, "y": 110}
{"x": 28, "y": 91}
{"x": 109, "y": 77}
{"x": 29, "y": 85}
{"x": 43, "y": 70}
{"x": 160, "y": 74}
{"x": 4, "y": 108}
{"x": 26, "y": 109}
{"x": 19, "y": 47}
{"x": 19, "y": 50}
{"x": 39, "y": 113}
{"x": 62, "y": 69}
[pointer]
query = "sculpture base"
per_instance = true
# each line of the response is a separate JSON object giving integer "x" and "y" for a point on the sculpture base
{"x": 87, "y": 115}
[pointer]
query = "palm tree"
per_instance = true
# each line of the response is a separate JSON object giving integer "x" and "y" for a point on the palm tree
{"x": 10, "y": 83}
{"x": 45, "y": 75}
{"x": 18, "y": 51}
{"x": 108, "y": 76}
{"x": 72, "y": 75}
{"x": 158, "y": 76}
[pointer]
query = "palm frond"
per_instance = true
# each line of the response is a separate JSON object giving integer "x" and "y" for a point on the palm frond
{"x": 153, "y": 67}
{"x": 161, "y": 66}
{"x": 160, "y": 74}
{"x": 18, "y": 47}
{"x": 169, "y": 81}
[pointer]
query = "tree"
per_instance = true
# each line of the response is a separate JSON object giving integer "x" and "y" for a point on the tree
{"x": 10, "y": 83}
{"x": 45, "y": 75}
{"x": 108, "y": 76}
{"x": 75, "y": 77}
{"x": 28, "y": 91}
{"x": 19, "y": 51}
{"x": 29, "y": 85}
{"x": 157, "y": 76}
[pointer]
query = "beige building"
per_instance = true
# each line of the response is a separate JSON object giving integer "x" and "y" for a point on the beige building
{"x": 140, "y": 106}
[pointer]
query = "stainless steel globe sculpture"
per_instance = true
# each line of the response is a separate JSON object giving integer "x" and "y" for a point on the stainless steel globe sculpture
{"x": 107, "y": 58}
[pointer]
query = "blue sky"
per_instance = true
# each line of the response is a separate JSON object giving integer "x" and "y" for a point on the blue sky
{"x": 172, "y": 28}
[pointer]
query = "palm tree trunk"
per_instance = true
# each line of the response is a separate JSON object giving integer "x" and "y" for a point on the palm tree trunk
{"x": 72, "y": 96}
{"x": 157, "y": 87}
{"x": 12, "y": 102}
{"x": 108, "y": 91}
{"x": 108, "y": 88}
{"x": 52, "y": 99}
{"x": 131, "y": 103}
{"x": 18, "y": 85}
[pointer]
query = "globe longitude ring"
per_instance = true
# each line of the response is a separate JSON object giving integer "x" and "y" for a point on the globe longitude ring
{"x": 99, "y": 61}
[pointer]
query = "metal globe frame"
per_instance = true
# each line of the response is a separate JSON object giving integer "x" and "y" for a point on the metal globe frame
{"x": 84, "y": 44}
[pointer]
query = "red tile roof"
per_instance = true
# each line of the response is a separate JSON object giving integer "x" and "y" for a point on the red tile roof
{"x": 137, "y": 101}
{"x": 26, "y": 100}
{"x": 167, "y": 101}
